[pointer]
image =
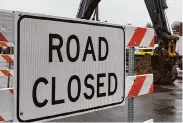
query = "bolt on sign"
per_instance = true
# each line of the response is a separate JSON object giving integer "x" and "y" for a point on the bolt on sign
{"x": 67, "y": 67}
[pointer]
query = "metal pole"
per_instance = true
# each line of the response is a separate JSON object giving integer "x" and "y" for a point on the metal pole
{"x": 9, "y": 76}
{"x": 97, "y": 13}
{"x": 131, "y": 73}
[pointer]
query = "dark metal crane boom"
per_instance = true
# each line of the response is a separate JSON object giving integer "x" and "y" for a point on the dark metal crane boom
{"x": 164, "y": 57}
{"x": 87, "y": 8}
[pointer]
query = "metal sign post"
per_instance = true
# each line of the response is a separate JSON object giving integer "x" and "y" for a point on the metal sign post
{"x": 131, "y": 73}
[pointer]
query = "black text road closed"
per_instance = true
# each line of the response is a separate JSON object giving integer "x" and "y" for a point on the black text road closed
{"x": 66, "y": 67}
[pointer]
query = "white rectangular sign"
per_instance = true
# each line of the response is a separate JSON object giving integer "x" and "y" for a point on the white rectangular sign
{"x": 65, "y": 67}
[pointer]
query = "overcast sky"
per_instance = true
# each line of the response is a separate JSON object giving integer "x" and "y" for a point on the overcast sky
{"x": 114, "y": 11}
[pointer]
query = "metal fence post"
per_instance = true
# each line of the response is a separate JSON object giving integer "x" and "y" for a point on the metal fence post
{"x": 131, "y": 73}
{"x": 9, "y": 67}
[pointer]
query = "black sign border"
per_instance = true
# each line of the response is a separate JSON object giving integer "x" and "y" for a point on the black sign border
{"x": 18, "y": 65}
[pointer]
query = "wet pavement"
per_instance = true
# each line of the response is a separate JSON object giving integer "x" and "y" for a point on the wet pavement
{"x": 165, "y": 105}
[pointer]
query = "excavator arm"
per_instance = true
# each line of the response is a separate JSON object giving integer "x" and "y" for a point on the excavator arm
{"x": 164, "y": 57}
{"x": 156, "y": 9}
{"x": 86, "y": 9}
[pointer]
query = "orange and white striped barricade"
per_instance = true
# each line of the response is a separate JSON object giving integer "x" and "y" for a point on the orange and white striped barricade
{"x": 139, "y": 37}
{"x": 139, "y": 84}
{"x": 7, "y": 31}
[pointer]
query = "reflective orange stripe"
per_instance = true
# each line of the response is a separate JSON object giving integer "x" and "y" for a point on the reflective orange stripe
{"x": 3, "y": 44}
{"x": 137, "y": 85}
{"x": 6, "y": 73}
{"x": 137, "y": 37}
{"x": 2, "y": 38}
{"x": 7, "y": 58}
{"x": 151, "y": 90}
{"x": 1, "y": 119}
{"x": 152, "y": 42}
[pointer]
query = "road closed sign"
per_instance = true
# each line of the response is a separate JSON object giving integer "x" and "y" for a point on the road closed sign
{"x": 67, "y": 67}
